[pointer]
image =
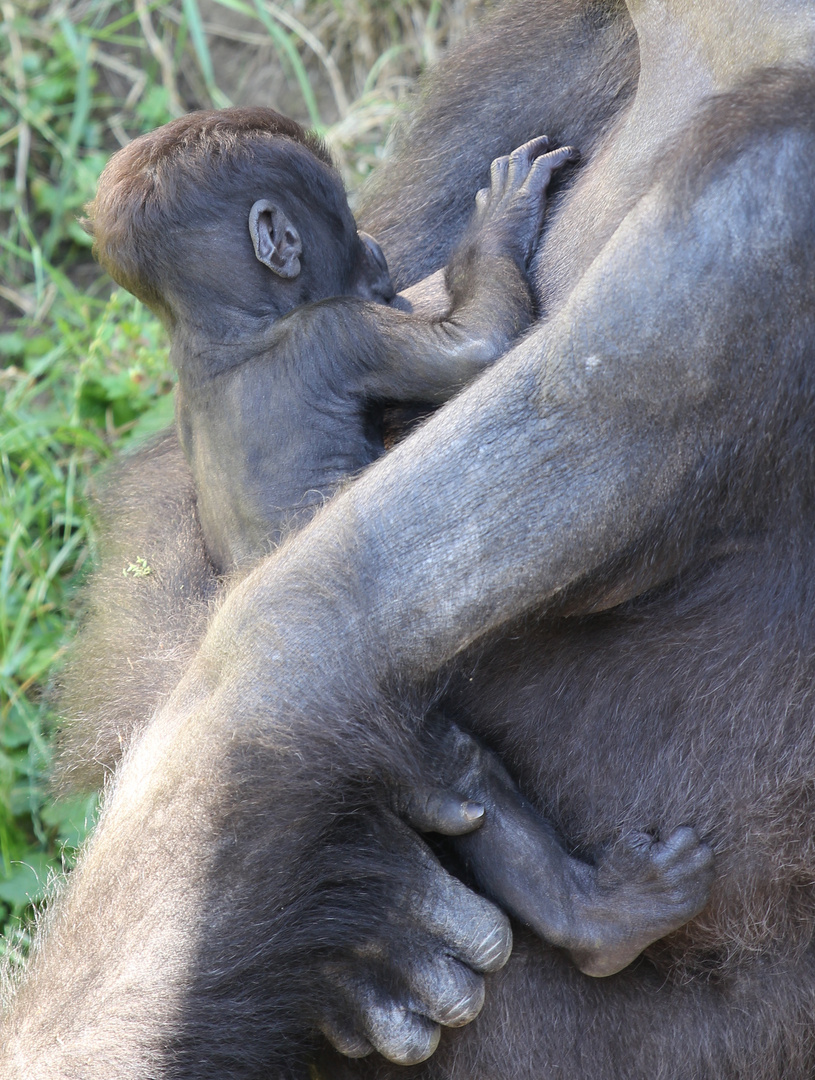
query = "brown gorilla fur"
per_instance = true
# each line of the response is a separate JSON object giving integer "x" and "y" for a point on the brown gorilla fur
{"x": 680, "y": 482}
{"x": 176, "y": 179}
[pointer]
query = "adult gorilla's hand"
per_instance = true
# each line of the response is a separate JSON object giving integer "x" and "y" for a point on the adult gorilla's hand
{"x": 393, "y": 990}
{"x": 422, "y": 967}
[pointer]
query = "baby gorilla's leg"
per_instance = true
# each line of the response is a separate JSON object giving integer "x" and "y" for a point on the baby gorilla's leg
{"x": 640, "y": 890}
{"x": 423, "y": 966}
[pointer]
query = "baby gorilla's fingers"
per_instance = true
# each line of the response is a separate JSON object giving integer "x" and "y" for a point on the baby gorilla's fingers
{"x": 509, "y": 215}
{"x": 511, "y": 169}
{"x": 522, "y": 158}
{"x": 646, "y": 888}
{"x": 498, "y": 175}
{"x": 528, "y": 151}
{"x": 540, "y": 172}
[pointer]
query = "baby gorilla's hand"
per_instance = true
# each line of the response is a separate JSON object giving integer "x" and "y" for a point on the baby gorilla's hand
{"x": 509, "y": 212}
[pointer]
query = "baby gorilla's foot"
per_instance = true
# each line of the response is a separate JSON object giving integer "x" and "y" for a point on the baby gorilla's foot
{"x": 603, "y": 915}
{"x": 642, "y": 889}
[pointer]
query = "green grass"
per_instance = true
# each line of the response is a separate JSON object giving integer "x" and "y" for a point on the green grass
{"x": 84, "y": 370}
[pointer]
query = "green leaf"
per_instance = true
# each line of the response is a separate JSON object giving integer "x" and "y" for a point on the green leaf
{"x": 25, "y": 882}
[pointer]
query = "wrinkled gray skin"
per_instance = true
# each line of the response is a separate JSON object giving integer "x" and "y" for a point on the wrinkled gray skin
{"x": 626, "y": 440}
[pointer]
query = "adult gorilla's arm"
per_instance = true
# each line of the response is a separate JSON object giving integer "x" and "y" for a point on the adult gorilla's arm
{"x": 228, "y": 873}
{"x": 564, "y": 465}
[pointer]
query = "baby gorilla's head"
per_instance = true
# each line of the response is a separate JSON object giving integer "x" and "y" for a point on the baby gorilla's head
{"x": 231, "y": 213}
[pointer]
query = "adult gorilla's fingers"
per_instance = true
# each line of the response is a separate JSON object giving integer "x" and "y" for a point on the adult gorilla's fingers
{"x": 472, "y": 928}
{"x": 469, "y": 926}
{"x": 368, "y": 1016}
{"x": 403, "y": 1027}
{"x": 434, "y": 809}
{"x": 444, "y": 989}
{"x": 344, "y": 1036}
{"x": 420, "y": 968}
{"x": 398, "y": 1033}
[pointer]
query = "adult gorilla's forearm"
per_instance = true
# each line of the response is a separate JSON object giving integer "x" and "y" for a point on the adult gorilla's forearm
{"x": 574, "y": 452}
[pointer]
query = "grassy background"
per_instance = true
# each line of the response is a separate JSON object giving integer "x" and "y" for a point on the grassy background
{"x": 84, "y": 369}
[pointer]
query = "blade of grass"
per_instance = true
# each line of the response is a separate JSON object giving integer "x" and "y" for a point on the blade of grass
{"x": 319, "y": 50}
{"x": 285, "y": 46}
{"x": 79, "y": 44}
{"x": 6, "y": 578}
{"x": 199, "y": 41}
{"x": 379, "y": 64}
{"x": 36, "y": 122}
{"x": 40, "y": 266}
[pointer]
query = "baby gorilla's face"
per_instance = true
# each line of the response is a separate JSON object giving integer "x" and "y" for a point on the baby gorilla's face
{"x": 344, "y": 261}
{"x": 371, "y": 278}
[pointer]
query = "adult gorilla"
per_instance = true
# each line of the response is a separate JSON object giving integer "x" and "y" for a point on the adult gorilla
{"x": 639, "y": 473}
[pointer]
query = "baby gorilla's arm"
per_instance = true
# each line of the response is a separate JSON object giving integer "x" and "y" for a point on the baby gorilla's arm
{"x": 270, "y": 435}
{"x": 428, "y": 354}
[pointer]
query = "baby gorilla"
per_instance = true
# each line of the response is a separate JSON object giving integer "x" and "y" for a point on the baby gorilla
{"x": 234, "y": 227}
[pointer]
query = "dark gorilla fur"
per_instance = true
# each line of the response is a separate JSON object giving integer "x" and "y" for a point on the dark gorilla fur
{"x": 667, "y": 535}
{"x": 280, "y": 373}
{"x": 286, "y": 344}
{"x": 176, "y": 179}
{"x": 693, "y": 700}
{"x": 282, "y": 383}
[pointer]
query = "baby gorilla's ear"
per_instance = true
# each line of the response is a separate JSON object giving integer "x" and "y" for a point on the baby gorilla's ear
{"x": 276, "y": 242}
